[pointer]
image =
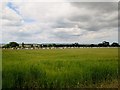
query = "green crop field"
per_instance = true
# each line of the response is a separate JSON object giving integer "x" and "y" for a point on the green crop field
{"x": 60, "y": 68}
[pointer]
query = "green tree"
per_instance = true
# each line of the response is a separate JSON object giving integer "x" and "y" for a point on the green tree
{"x": 6, "y": 46}
{"x": 13, "y": 44}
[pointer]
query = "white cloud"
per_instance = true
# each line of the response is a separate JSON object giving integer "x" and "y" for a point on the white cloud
{"x": 71, "y": 31}
{"x": 10, "y": 18}
{"x": 58, "y": 22}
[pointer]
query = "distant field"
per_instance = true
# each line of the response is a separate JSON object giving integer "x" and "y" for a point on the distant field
{"x": 60, "y": 68}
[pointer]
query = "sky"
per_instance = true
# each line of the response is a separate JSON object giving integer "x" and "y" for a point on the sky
{"x": 59, "y": 22}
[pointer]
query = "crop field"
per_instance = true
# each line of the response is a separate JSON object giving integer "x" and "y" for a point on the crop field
{"x": 60, "y": 68}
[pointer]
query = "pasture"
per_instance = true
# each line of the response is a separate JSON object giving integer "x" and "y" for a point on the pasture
{"x": 60, "y": 68}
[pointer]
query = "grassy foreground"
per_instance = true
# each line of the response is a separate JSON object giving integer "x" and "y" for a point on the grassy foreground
{"x": 60, "y": 68}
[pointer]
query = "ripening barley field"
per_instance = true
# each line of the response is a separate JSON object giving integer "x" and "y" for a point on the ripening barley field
{"x": 60, "y": 68}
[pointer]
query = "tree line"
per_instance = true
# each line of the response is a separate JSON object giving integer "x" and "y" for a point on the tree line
{"x": 23, "y": 45}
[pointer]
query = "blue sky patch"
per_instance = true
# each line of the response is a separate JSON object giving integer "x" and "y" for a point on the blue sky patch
{"x": 28, "y": 20}
{"x": 13, "y": 7}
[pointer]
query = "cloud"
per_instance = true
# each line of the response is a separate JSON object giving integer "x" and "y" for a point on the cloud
{"x": 10, "y": 18}
{"x": 59, "y": 22}
{"x": 101, "y": 6}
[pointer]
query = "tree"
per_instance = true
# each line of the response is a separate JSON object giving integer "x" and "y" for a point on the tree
{"x": 114, "y": 44}
{"x": 76, "y": 44}
{"x": 92, "y": 45}
{"x": 13, "y": 44}
{"x": 100, "y": 45}
{"x": 54, "y": 45}
{"x": 105, "y": 44}
{"x": 6, "y": 46}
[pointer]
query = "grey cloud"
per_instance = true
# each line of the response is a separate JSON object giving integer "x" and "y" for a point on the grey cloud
{"x": 105, "y": 15}
{"x": 63, "y": 24}
{"x": 13, "y": 23}
{"x": 10, "y": 21}
{"x": 10, "y": 18}
{"x": 99, "y": 20}
{"x": 6, "y": 18}
{"x": 100, "y": 26}
{"x": 101, "y": 6}
{"x": 20, "y": 34}
{"x": 66, "y": 35}
{"x": 80, "y": 18}
{"x": 102, "y": 17}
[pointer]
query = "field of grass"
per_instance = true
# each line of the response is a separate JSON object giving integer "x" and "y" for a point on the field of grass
{"x": 60, "y": 68}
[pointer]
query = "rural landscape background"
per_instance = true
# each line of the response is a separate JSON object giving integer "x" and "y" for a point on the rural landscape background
{"x": 59, "y": 44}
